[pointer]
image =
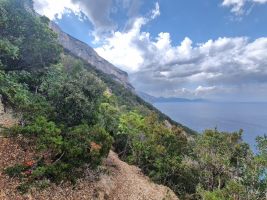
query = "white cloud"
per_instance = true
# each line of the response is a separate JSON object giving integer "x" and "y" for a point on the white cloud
{"x": 161, "y": 68}
{"x": 156, "y": 11}
{"x": 122, "y": 48}
{"x": 237, "y": 6}
{"x": 156, "y": 65}
{"x": 135, "y": 51}
{"x": 54, "y": 8}
{"x": 201, "y": 90}
{"x": 98, "y": 12}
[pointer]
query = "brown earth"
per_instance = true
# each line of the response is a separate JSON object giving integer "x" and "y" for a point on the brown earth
{"x": 6, "y": 116}
{"x": 120, "y": 181}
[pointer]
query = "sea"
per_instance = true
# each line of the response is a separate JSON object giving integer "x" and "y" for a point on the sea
{"x": 226, "y": 116}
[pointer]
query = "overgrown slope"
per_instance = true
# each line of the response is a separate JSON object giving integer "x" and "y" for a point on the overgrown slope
{"x": 128, "y": 97}
{"x": 71, "y": 115}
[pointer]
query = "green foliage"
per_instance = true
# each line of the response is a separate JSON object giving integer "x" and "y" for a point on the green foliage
{"x": 71, "y": 112}
{"x": 129, "y": 101}
{"x": 15, "y": 171}
{"x": 62, "y": 153}
{"x": 16, "y": 94}
{"x": 26, "y": 40}
{"x": 13, "y": 92}
{"x": 232, "y": 191}
{"x": 109, "y": 113}
{"x": 228, "y": 169}
{"x": 156, "y": 148}
{"x": 85, "y": 144}
{"x": 48, "y": 135}
{"x": 45, "y": 134}
{"x": 8, "y": 51}
{"x": 60, "y": 103}
{"x": 218, "y": 154}
{"x": 219, "y": 164}
{"x": 76, "y": 95}
{"x": 259, "y": 169}
{"x": 262, "y": 148}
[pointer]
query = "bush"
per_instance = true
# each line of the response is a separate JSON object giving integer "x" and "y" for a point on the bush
{"x": 16, "y": 94}
{"x": 26, "y": 42}
{"x": 12, "y": 92}
{"x": 75, "y": 95}
{"x": 62, "y": 153}
{"x": 157, "y": 149}
{"x": 86, "y": 145}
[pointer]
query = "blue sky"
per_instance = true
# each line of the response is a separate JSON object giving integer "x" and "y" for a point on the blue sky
{"x": 212, "y": 49}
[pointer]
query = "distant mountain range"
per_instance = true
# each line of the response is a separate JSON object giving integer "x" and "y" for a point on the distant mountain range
{"x": 152, "y": 99}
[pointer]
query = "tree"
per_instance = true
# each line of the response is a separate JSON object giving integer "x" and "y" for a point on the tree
{"x": 109, "y": 113}
{"x": 75, "y": 95}
{"x": 261, "y": 167}
{"x": 26, "y": 40}
{"x": 156, "y": 148}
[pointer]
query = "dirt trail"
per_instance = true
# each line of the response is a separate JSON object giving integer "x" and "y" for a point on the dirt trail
{"x": 6, "y": 116}
{"x": 132, "y": 184}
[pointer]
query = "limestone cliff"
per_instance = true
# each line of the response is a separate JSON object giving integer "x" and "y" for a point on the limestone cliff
{"x": 88, "y": 54}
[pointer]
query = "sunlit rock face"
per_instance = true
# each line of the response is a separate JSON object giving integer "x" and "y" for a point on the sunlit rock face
{"x": 88, "y": 54}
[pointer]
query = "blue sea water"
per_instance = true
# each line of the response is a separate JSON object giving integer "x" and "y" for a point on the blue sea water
{"x": 251, "y": 117}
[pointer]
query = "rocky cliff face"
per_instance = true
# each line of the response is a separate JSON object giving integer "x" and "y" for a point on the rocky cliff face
{"x": 88, "y": 54}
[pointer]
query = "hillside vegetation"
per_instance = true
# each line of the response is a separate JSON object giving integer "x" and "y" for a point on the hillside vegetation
{"x": 72, "y": 116}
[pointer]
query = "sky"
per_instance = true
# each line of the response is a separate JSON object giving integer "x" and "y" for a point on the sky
{"x": 212, "y": 49}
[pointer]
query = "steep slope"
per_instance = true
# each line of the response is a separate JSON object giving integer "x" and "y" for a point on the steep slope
{"x": 116, "y": 79}
{"x": 119, "y": 181}
{"x": 88, "y": 54}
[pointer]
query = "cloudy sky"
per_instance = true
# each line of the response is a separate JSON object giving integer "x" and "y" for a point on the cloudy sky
{"x": 214, "y": 49}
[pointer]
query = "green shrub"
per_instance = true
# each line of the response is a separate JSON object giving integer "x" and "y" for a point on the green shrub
{"x": 157, "y": 149}
{"x": 26, "y": 42}
{"x": 83, "y": 144}
{"x": 16, "y": 170}
{"x": 75, "y": 96}
{"x": 62, "y": 153}
{"x": 12, "y": 92}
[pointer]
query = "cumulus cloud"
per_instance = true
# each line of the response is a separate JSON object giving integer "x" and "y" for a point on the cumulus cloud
{"x": 237, "y": 6}
{"x": 98, "y": 12}
{"x": 234, "y": 66}
{"x": 162, "y": 68}
{"x": 123, "y": 48}
{"x": 55, "y": 9}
